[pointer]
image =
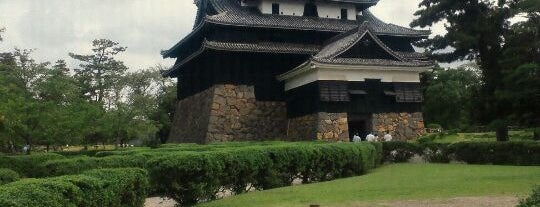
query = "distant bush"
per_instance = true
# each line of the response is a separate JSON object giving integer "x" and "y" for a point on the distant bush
{"x": 89, "y": 153}
{"x": 190, "y": 177}
{"x": 110, "y": 187}
{"x": 28, "y": 165}
{"x": 80, "y": 164}
{"x": 500, "y": 153}
{"x": 434, "y": 126}
{"x": 400, "y": 151}
{"x": 8, "y": 176}
{"x": 532, "y": 201}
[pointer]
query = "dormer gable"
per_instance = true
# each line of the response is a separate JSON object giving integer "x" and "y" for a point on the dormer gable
{"x": 359, "y": 43}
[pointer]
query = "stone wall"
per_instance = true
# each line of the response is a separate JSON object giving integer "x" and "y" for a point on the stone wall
{"x": 237, "y": 116}
{"x": 191, "y": 118}
{"x": 303, "y": 128}
{"x": 402, "y": 126}
{"x": 228, "y": 113}
{"x": 319, "y": 126}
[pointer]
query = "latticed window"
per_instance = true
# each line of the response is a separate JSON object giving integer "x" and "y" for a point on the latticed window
{"x": 344, "y": 14}
{"x": 408, "y": 93}
{"x": 334, "y": 91}
{"x": 310, "y": 10}
{"x": 275, "y": 8}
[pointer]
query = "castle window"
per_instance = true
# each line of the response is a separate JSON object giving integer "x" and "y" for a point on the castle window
{"x": 310, "y": 10}
{"x": 275, "y": 8}
{"x": 344, "y": 14}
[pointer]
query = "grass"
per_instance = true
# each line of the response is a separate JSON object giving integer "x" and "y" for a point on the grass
{"x": 399, "y": 182}
{"x": 524, "y": 135}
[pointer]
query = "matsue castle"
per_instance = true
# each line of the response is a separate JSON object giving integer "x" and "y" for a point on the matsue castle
{"x": 295, "y": 70}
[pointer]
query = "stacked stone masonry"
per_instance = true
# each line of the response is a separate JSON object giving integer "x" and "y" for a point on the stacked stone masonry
{"x": 231, "y": 113}
{"x": 228, "y": 113}
{"x": 402, "y": 126}
{"x": 319, "y": 126}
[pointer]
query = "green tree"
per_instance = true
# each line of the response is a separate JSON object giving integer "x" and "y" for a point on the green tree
{"x": 475, "y": 31}
{"x": 447, "y": 96}
{"x": 100, "y": 72}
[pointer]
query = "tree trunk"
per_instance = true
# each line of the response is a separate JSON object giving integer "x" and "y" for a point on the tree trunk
{"x": 502, "y": 133}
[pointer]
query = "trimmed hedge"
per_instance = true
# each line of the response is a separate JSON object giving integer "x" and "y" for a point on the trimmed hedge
{"x": 28, "y": 165}
{"x": 80, "y": 164}
{"x": 499, "y": 153}
{"x": 110, "y": 187}
{"x": 8, "y": 176}
{"x": 191, "y": 177}
{"x": 532, "y": 201}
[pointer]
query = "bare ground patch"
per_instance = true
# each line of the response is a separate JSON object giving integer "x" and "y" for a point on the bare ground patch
{"x": 480, "y": 201}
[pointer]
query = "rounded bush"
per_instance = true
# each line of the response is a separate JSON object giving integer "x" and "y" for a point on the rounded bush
{"x": 8, "y": 176}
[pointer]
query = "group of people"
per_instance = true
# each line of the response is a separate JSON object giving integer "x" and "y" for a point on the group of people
{"x": 373, "y": 138}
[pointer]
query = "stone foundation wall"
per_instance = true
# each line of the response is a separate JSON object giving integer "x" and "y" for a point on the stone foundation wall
{"x": 191, "y": 118}
{"x": 402, "y": 126}
{"x": 236, "y": 116}
{"x": 303, "y": 128}
{"x": 228, "y": 113}
{"x": 319, "y": 126}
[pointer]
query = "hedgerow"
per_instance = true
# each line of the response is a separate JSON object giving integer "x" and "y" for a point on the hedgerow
{"x": 80, "y": 164}
{"x": 531, "y": 201}
{"x": 500, "y": 153}
{"x": 109, "y": 187}
{"x": 28, "y": 165}
{"x": 191, "y": 177}
{"x": 8, "y": 176}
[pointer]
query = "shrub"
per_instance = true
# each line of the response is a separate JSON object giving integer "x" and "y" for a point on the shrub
{"x": 435, "y": 152}
{"x": 8, "y": 176}
{"x": 400, "y": 151}
{"x": 532, "y": 201}
{"x": 500, "y": 153}
{"x": 111, "y": 187}
{"x": 191, "y": 177}
{"x": 28, "y": 165}
{"x": 80, "y": 164}
{"x": 89, "y": 153}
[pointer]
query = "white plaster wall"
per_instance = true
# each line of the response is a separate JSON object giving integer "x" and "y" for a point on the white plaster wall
{"x": 388, "y": 76}
{"x": 296, "y": 8}
{"x": 286, "y": 7}
{"x": 333, "y": 10}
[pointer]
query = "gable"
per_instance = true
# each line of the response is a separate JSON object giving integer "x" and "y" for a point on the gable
{"x": 367, "y": 48}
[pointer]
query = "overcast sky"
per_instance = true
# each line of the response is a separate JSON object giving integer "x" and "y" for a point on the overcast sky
{"x": 57, "y": 27}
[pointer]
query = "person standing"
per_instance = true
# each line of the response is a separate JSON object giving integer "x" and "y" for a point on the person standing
{"x": 370, "y": 137}
{"x": 356, "y": 138}
{"x": 387, "y": 137}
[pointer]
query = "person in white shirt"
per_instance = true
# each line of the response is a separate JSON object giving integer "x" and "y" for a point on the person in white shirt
{"x": 370, "y": 137}
{"x": 387, "y": 137}
{"x": 356, "y": 138}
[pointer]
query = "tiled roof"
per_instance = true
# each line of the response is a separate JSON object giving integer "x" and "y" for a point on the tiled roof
{"x": 373, "y": 62}
{"x": 263, "y": 47}
{"x": 331, "y": 52}
{"x": 268, "y": 47}
{"x": 231, "y": 13}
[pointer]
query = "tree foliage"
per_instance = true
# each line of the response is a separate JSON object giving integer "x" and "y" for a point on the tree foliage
{"x": 52, "y": 105}
{"x": 448, "y": 94}
{"x": 480, "y": 30}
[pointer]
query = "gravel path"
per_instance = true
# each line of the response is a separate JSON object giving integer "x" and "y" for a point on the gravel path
{"x": 482, "y": 201}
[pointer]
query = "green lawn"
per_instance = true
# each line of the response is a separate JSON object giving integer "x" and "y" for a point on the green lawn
{"x": 399, "y": 182}
{"x": 524, "y": 135}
